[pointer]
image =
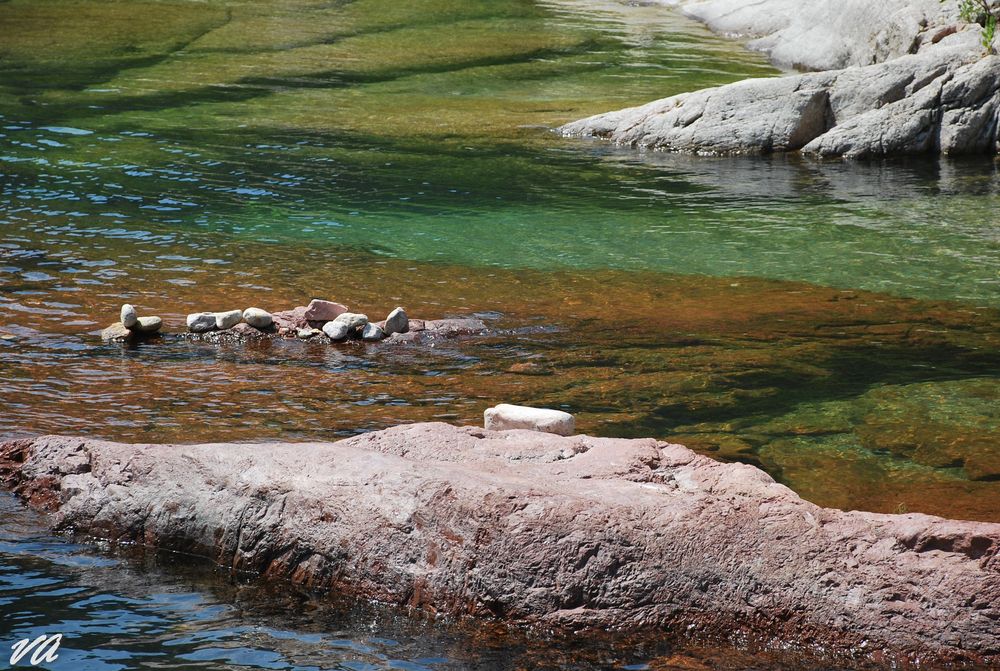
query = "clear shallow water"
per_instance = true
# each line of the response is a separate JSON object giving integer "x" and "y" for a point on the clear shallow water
{"x": 835, "y": 323}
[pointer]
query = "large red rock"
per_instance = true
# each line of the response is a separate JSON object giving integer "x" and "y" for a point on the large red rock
{"x": 558, "y": 531}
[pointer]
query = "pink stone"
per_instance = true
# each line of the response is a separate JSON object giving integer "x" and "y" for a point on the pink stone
{"x": 291, "y": 319}
{"x": 324, "y": 311}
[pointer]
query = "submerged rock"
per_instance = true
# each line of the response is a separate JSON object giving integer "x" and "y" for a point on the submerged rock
{"x": 506, "y": 416}
{"x": 560, "y": 532}
{"x": 201, "y": 322}
{"x": 228, "y": 319}
{"x": 323, "y": 311}
{"x": 129, "y": 317}
{"x": 257, "y": 318}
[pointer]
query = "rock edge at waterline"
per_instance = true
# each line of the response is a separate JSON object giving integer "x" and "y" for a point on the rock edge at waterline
{"x": 567, "y": 532}
{"x": 925, "y": 86}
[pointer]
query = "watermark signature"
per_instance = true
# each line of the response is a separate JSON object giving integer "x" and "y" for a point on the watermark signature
{"x": 43, "y": 650}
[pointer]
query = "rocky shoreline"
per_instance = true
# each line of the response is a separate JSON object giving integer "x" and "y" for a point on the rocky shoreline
{"x": 894, "y": 78}
{"x": 566, "y": 533}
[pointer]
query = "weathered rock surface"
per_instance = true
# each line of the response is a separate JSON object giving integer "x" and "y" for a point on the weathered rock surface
{"x": 532, "y": 527}
{"x": 506, "y": 416}
{"x": 323, "y": 311}
{"x": 129, "y": 317}
{"x": 943, "y": 98}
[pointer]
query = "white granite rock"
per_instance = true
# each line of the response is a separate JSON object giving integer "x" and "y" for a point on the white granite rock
{"x": 257, "y": 318}
{"x": 372, "y": 332}
{"x": 228, "y": 319}
{"x": 148, "y": 324}
{"x": 336, "y": 330}
{"x": 129, "y": 317}
{"x": 505, "y": 416}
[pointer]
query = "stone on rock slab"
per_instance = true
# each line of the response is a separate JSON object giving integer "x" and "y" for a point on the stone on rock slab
{"x": 372, "y": 332}
{"x": 116, "y": 332}
{"x": 148, "y": 324}
{"x": 352, "y": 320}
{"x": 336, "y": 330}
{"x": 324, "y": 311}
{"x": 506, "y": 416}
{"x": 257, "y": 318}
{"x": 129, "y": 317}
{"x": 228, "y": 319}
{"x": 397, "y": 322}
{"x": 201, "y": 322}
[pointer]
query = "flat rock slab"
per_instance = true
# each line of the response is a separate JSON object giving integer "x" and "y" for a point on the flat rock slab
{"x": 530, "y": 527}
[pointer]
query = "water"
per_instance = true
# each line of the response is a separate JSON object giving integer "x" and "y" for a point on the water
{"x": 835, "y": 323}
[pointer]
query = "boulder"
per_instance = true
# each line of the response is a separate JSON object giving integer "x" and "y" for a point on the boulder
{"x": 324, "y": 311}
{"x": 257, "y": 318}
{"x": 201, "y": 322}
{"x": 148, "y": 324}
{"x": 563, "y": 533}
{"x": 505, "y": 416}
{"x": 129, "y": 317}
{"x": 228, "y": 319}
{"x": 396, "y": 322}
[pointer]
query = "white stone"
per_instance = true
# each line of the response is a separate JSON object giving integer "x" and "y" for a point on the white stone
{"x": 129, "y": 317}
{"x": 352, "y": 320}
{"x": 505, "y": 416}
{"x": 228, "y": 319}
{"x": 257, "y": 318}
{"x": 336, "y": 330}
{"x": 148, "y": 324}
{"x": 200, "y": 322}
{"x": 372, "y": 332}
{"x": 396, "y": 322}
